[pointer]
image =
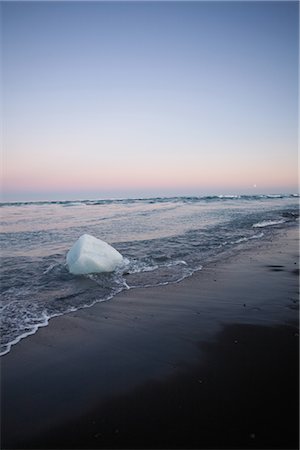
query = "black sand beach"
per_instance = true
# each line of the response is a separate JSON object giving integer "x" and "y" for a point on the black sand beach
{"x": 211, "y": 362}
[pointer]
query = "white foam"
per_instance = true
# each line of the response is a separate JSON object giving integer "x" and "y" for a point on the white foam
{"x": 268, "y": 223}
{"x": 24, "y": 335}
{"x": 245, "y": 239}
{"x": 228, "y": 196}
{"x": 46, "y": 317}
{"x": 51, "y": 267}
{"x": 91, "y": 255}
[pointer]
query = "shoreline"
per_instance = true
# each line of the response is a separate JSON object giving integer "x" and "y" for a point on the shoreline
{"x": 149, "y": 343}
{"x": 218, "y": 260}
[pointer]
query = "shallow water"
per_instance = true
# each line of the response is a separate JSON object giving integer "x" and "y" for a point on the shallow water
{"x": 163, "y": 240}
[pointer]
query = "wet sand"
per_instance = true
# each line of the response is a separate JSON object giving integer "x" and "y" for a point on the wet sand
{"x": 211, "y": 362}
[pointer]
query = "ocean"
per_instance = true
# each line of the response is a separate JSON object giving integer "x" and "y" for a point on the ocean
{"x": 163, "y": 240}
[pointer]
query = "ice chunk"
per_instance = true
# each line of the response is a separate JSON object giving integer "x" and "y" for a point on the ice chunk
{"x": 91, "y": 255}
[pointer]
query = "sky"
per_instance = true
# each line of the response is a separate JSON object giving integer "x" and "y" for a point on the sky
{"x": 117, "y": 99}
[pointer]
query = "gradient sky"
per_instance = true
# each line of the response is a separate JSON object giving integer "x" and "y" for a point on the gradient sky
{"x": 129, "y": 99}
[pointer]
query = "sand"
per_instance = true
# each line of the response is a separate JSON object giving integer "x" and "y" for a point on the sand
{"x": 210, "y": 362}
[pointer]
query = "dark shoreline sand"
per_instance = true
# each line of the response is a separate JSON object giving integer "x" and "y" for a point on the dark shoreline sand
{"x": 211, "y": 362}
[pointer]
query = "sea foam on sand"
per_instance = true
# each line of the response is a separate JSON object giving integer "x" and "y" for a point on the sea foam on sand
{"x": 91, "y": 255}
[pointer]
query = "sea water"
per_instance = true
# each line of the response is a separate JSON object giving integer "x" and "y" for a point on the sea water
{"x": 163, "y": 240}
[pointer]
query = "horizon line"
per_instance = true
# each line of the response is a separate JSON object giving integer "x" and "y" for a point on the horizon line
{"x": 112, "y": 199}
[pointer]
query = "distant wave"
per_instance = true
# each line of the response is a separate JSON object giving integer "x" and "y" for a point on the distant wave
{"x": 151, "y": 200}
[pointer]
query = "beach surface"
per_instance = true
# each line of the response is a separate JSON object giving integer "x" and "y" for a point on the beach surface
{"x": 210, "y": 362}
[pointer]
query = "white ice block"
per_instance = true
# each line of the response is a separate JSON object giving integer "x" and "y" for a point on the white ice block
{"x": 91, "y": 255}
